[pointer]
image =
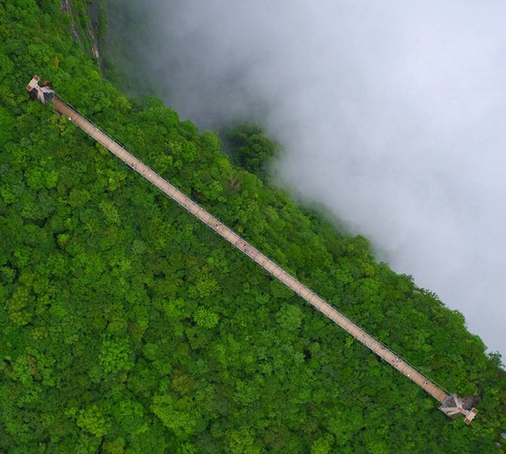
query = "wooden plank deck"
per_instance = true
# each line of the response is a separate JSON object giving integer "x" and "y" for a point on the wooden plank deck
{"x": 321, "y": 305}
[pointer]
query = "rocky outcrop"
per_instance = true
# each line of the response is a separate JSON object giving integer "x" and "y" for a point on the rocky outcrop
{"x": 88, "y": 35}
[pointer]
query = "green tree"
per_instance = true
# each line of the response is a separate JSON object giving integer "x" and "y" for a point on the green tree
{"x": 205, "y": 318}
{"x": 93, "y": 420}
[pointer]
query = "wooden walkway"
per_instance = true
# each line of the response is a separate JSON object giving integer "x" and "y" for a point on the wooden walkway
{"x": 255, "y": 255}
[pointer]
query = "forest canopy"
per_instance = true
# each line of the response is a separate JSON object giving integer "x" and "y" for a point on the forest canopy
{"x": 126, "y": 326}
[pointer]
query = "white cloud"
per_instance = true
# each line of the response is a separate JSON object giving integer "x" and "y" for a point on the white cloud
{"x": 393, "y": 115}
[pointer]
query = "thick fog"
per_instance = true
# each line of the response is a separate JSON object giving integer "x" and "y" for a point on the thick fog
{"x": 392, "y": 114}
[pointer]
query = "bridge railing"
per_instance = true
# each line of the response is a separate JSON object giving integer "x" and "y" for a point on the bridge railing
{"x": 266, "y": 263}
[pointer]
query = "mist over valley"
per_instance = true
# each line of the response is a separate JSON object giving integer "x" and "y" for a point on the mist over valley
{"x": 390, "y": 115}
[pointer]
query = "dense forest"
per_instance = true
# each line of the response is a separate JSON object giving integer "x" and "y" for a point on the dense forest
{"x": 126, "y": 326}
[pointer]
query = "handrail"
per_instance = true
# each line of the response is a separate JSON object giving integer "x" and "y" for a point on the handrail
{"x": 240, "y": 243}
{"x": 452, "y": 404}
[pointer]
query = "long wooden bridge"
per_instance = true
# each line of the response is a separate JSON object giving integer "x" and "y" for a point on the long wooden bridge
{"x": 451, "y": 404}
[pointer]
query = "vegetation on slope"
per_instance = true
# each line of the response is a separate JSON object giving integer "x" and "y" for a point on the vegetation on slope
{"x": 250, "y": 149}
{"x": 129, "y": 327}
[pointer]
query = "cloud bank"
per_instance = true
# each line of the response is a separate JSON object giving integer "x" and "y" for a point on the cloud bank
{"x": 392, "y": 115}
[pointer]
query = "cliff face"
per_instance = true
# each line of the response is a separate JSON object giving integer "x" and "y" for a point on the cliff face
{"x": 86, "y": 23}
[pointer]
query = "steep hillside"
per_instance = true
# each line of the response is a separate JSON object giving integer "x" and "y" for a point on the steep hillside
{"x": 128, "y": 327}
